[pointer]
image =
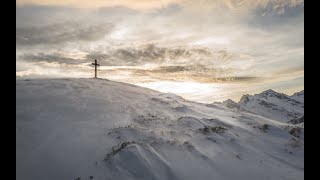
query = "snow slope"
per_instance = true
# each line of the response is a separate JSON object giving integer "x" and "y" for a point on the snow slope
{"x": 77, "y": 128}
{"x": 299, "y": 96}
{"x": 271, "y": 104}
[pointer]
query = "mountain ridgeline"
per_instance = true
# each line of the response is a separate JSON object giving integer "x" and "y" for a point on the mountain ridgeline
{"x": 272, "y": 105}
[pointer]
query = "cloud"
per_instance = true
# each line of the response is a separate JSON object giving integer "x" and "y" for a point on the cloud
{"x": 50, "y": 58}
{"x": 138, "y": 4}
{"x": 260, "y": 42}
{"x": 165, "y": 58}
{"x": 282, "y": 8}
{"x": 60, "y": 33}
{"x": 154, "y": 63}
{"x": 151, "y": 54}
{"x": 146, "y": 4}
{"x": 196, "y": 73}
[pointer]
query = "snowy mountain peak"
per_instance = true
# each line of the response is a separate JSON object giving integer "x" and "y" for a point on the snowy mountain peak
{"x": 244, "y": 99}
{"x": 301, "y": 93}
{"x": 299, "y": 96}
{"x": 272, "y": 93}
{"x": 274, "y": 105}
{"x": 229, "y": 101}
{"x": 230, "y": 104}
{"x": 269, "y": 91}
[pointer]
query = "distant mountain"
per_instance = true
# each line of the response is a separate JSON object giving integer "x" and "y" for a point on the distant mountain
{"x": 299, "y": 96}
{"x": 230, "y": 104}
{"x": 273, "y": 105}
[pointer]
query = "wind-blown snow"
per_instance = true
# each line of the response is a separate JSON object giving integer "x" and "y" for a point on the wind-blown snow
{"x": 76, "y": 128}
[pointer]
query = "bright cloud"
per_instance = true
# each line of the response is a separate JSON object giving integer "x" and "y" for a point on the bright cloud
{"x": 251, "y": 44}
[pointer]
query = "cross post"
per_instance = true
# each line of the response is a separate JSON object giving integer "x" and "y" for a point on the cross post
{"x": 95, "y": 67}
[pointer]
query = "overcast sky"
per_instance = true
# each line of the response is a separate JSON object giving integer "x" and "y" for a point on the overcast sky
{"x": 204, "y": 50}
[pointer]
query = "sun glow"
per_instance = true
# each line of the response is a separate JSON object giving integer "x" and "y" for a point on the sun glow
{"x": 190, "y": 90}
{"x": 205, "y": 51}
{"x": 180, "y": 87}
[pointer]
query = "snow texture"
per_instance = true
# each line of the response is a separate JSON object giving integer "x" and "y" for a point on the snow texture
{"x": 70, "y": 129}
{"x": 272, "y": 105}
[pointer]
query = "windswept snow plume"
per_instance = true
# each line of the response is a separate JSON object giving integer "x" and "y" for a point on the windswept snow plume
{"x": 99, "y": 129}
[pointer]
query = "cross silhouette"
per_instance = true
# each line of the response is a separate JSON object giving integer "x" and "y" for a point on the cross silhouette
{"x": 95, "y": 67}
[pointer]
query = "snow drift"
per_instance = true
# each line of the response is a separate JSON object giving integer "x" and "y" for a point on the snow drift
{"x": 77, "y": 128}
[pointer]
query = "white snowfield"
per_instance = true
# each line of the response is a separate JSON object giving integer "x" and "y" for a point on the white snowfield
{"x": 70, "y": 129}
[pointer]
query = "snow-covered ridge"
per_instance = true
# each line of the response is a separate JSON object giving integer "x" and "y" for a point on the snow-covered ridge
{"x": 77, "y": 128}
{"x": 299, "y": 96}
{"x": 273, "y": 105}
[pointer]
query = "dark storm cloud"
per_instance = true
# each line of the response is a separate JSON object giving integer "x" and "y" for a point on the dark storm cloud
{"x": 60, "y": 33}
